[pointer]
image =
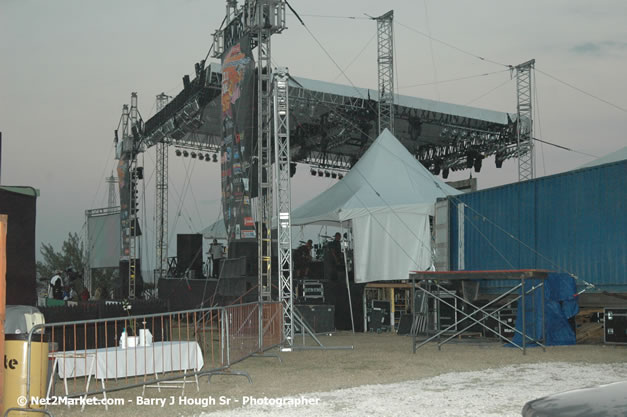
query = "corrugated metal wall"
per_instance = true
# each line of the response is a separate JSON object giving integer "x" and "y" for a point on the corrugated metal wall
{"x": 572, "y": 222}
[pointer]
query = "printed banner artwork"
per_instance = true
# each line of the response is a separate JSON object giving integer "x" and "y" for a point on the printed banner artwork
{"x": 238, "y": 90}
{"x": 124, "y": 179}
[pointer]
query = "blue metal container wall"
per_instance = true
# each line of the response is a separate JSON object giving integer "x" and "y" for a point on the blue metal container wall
{"x": 573, "y": 222}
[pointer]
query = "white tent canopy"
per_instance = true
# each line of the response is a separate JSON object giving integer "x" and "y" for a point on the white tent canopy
{"x": 217, "y": 230}
{"x": 388, "y": 196}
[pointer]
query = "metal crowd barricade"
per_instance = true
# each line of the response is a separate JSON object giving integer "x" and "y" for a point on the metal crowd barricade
{"x": 478, "y": 314}
{"x": 185, "y": 344}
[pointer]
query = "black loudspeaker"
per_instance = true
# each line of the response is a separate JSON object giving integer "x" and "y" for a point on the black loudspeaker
{"x": 122, "y": 287}
{"x": 615, "y": 325}
{"x": 404, "y": 324}
{"x": 319, "y": 317}
{"x": 189, "y": 254}
{"x": 245, "y": 248}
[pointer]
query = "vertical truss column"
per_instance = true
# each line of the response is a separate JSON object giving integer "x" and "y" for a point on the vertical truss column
{"x": 525, "y": 120}
{"x": 264, "y": 162}
{"x": 385, "y": 60}
{"x": 134, "y": 190}
{"x": 282, "y": 187}
{"x": 161, "y": 204}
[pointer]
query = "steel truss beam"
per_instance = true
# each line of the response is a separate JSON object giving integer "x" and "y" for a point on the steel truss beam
{"x": 385, "y": 60}
{"x": 524, "y": 134}
{"x": 161, "y": 203}
{"x": 134, "y": 244}
{"x": 282, "y": 189}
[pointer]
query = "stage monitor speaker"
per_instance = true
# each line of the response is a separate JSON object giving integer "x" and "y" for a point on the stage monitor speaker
{"x": 189, "y": 253}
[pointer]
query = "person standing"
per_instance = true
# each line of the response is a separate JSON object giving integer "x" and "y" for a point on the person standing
{"x": 55, "y": 289}
{"x": 217, "y": 253}
{"x": 333, "y": 258}
{"x": 302, "y": 259}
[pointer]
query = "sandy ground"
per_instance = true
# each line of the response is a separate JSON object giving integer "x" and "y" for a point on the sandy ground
{"x": 498, "y": 375}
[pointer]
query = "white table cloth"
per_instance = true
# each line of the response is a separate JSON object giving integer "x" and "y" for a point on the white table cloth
{"x": 115, "y": 362}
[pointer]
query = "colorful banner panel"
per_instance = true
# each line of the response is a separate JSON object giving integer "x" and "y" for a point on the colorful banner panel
{"x": 238, "y": 92}
{"x": 124, "y": 178}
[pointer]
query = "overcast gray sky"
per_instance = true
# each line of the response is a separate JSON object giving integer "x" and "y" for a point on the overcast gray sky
{"x": 67, "y": 66}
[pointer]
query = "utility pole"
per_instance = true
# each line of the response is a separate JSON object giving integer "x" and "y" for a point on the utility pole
{"x": 161, "y": 203}
{"x": 524, "y": 122}
{"x": 385, "y": 61}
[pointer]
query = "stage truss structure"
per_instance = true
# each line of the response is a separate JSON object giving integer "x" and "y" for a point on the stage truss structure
{"x": 329, "y": 126}
{"x": 524, "y": 132}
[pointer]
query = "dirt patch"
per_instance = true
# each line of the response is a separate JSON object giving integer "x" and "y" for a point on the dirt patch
{"x": 376, "y": 359}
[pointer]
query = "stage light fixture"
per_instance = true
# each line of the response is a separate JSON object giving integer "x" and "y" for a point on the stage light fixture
{"x": 320, "y": 173}
{"x": 312, "y": 172}
{"x": 193, "y": 155}
{"x": 178, "y": 152}
{"x": 333, "y": 175}
{"x": 340, "y": 176}
{"x": 327, "y": 174}
{"x": 445, "y": 173}
{"x": 498, "y": 159}
{"x": 215, "y": 157}
{"x": 185, "y": 154}
{"x": 436, "y": 169}
{"x": 201, "y": 156}
{"x": 207, "y": 157}
{"x": 478, "y": 161}
{"x": 469, "y": 161}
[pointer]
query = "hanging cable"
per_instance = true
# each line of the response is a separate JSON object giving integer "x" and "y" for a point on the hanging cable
{"x": 488, "y": 92}
{"x": 435, "y": 71}
{"x": 450, "y": 80}
{"x": 582, "y": 91}
{"x": 536, "y": 108}
{"x": 481, "y": 58}
{"x": 564, "y": 147}
{"x": 356, "y": 57}
{"x": 328, "y": 55}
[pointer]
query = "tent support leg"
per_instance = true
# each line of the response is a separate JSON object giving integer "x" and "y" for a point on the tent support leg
{"x": 348, "y": 286}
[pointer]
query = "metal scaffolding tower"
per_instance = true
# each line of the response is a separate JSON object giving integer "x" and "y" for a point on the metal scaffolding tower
{"x": 112, "y": 181}
{"x": 524, "y": 132}
{"x": 134, "y": 249}
{"x": 385, "y": 60}
{"x": 282, "y": 187}
{"x": 261, "y": 19}
{"x": 161, "y": 204}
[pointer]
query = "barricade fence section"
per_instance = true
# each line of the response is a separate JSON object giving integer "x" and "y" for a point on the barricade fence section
{"x": 95, "y": 356}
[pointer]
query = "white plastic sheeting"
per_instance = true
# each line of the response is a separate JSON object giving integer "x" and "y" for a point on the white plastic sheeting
{"x": 388, "y": 196}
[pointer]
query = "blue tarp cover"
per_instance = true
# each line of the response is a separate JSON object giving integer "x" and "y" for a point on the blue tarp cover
{"x": 560, "y": 304}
